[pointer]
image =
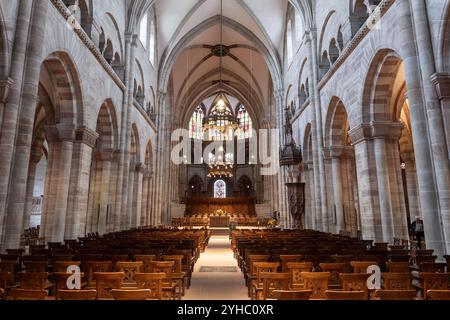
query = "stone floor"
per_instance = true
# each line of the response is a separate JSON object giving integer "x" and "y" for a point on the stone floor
{"x": 216, "y": 275}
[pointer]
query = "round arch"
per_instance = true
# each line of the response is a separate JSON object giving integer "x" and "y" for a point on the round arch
{"x": 65, "y": 88}
{"x": 378, "y": 86}
{"x": 336, "y": 123}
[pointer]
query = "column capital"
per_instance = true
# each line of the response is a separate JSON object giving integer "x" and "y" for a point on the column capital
{"x": 105, "y": 155}
{"x": 380, "y": 129}
{"x": 138, "y": 167}
{"x": 333, "y": 151}
{"x": 131, "y": 37}
{"x": 86, "y": 136}
{"x": 148, "y": 173}
{"x": 388, "y": 130}
{"x": 442, "y": 83}
{"x": 60, "y": 132}
{"x": 360, "y": 133}
{"x": 5, "y": 84}
{"x": 36, "y": 155}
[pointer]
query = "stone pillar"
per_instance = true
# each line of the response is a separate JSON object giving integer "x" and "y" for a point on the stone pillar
{"x": 145, "y": 204}
{"x": 79, "y": 183}
{"x": 384, "y": 191}
{"x": 25, "y": 65}
{"x": 60, "y": 140}
{"x": 106, "y": 165}
{"x": 336, "y": 173}
{"x": 427, "y": 123}
{"x": 137, "y": 205}
{"x": 398, "y": 196}
{"x": 319, "y": 170}
{"x": 350, "y": 183}
{"x": 411, "y": 185}
{"x": 36, "y": 156}
{"x": 442, "y": 83}
{"x": 120, "y": 206}
{"x": 309, "y": 197}
{"x": 367, "y": 183}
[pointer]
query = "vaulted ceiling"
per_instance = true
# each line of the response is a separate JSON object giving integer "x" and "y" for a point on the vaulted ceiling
{"x": 189, "y": 32}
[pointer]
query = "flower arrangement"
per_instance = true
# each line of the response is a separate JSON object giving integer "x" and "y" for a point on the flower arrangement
{"x": 272, "y": 223}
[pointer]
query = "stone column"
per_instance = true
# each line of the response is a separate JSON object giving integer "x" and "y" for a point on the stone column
{"x": 367, "y": 183}
{"x": 411, "y": 185}
{"x": 79, "y": 183}
{"x": 130, "y": 214}
{"x": 398, "y": 196}
{"x": 336, "y": 172}
{"x": 317, "y": 133}
{"x": 442, "y": 83}
{"x": 25, "y": 65}
{"x": 384, "y": 191}
{"x": 60, "y": 140}
{"x": 94, "y": 186}
{"x": 349, "y": 185}
{"x": 120, "y": 206}
{"x": 309, "y": 196}
{"x": 427, "y": 123}
{"x": 145, "y": 197}
{"x": 107, "y": 157}
{"x": 36, "y": 156}
{"x": 137, "y": 205}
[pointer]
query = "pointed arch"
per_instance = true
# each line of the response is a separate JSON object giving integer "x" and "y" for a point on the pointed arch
{"x": 135, "y": 146}
{"x": 337, "y": 124}
{"x": 170, "y": 54}
{"x": 107, "y": 127}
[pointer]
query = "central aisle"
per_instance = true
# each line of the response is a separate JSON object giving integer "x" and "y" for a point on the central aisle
{"x": 209, "y": 281}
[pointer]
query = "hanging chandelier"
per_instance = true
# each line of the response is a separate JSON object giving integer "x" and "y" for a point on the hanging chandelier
{"x": 221, "y": 123}
{"x": 220, "y": 168}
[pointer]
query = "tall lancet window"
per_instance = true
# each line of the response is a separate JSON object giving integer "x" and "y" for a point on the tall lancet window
{"x": 220, "y": 189}
{"x": 289, "y": 43}
{"x": 143, "y": 28}
{"x": 196, "y": 124}
{"x": 245, "y": 123}
{"x": 152, "y": 45}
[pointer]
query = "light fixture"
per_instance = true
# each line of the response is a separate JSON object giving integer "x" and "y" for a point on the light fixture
{"x": 221, "y": 123}
{"x": 221, "y": 103}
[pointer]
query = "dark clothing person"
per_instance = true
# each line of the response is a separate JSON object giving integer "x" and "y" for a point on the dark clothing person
{"x": 417, "y": 230}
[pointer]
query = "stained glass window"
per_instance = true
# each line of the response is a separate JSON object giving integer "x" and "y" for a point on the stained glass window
{"x": 220, "y": 189}
{"x": 219, "y": 121}
{"x": 196, "y": 124}
{"x": 245, "y": 123}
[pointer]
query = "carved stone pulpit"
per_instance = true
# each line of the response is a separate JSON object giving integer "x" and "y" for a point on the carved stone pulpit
{"x": 291, "y": 158}
{"x": 296, "y": 198}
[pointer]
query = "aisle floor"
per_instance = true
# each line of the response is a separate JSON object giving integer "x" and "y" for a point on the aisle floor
{"x": 216, "y": 274}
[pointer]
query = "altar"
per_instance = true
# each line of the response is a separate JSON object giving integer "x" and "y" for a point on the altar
{"x": 219, "y": 221}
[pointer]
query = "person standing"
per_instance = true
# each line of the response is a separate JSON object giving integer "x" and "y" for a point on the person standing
{"x": 418, "y": 231}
